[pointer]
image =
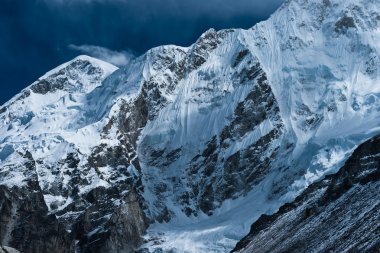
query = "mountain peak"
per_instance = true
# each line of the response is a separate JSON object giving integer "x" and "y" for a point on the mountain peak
{"x": 201, "y": 141}
{"x": 95, "y": 61}
{"x": 71, "y": 72}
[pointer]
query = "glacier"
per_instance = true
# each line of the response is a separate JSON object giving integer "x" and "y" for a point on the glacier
{"x": 205, "y": 138}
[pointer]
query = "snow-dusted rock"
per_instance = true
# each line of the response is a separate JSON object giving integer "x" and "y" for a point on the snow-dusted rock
{"x": 203, "y": 139}
{"x": 340, "y": 213}
{"x": 5, "y": 249}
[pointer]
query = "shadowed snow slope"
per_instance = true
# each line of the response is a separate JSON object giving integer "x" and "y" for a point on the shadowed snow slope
{"x": 184, "y": 148}
{"x": 338, "y": 214}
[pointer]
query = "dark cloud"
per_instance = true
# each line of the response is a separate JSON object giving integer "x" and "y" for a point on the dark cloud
{"x": 35, "y": 35}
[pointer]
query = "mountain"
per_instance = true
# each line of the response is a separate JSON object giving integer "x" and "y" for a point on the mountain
{"x": 337, "y": 214}
{"x": 8, "y": 250}
{"x": 184, "y": 148}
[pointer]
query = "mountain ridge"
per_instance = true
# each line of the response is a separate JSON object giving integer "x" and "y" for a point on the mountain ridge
{"x": 202, "y": 140}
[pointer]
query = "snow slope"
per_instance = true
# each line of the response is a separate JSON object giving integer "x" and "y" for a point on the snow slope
{"x": 339, "y": 214}
{"x": 44, "y": 119}
{"x": 323, "y": 71}
{"x": 210, "y": 136}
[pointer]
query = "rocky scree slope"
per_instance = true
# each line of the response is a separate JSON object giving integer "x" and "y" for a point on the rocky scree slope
{"x": 338, "y": 214}
{"x": 187, "y": 147}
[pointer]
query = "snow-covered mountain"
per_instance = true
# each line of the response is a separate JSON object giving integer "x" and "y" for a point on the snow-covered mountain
{"x": 338, "y": 214}
{"x": 184, "y": 148}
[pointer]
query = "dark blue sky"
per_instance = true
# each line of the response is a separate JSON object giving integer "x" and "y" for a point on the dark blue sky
{"x": 37, "y": 35}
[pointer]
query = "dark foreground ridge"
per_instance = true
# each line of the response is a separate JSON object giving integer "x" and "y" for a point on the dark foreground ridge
{"x": 339, "y": 213}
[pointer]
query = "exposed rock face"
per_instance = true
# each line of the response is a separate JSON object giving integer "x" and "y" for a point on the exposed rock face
{"x": 26, "y": 224}
{"x": 192, "y": 144}
{"x": 339, "y": 213}
{"x": 246, "y": 167}
{"x": 63, "y": 79}
{"x": 122, "y": 231}
{"x": 5, "y": 249}
{"x": 55, "y": 204}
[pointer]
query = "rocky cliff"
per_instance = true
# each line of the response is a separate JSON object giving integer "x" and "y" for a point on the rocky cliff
{"x": 184, "y": 148}
{"x": 337, "y": 214}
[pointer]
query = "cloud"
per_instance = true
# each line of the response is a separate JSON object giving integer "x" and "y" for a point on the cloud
{"x": 115, "y": 57}
{"x": 35, "y": 34}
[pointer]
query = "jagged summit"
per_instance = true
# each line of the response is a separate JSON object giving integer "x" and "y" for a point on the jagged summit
{"x": 71, "y": 69}
{"x": 184, "y": 148}
{"x": 107, "y": 67}
{"x": 49, "y": 107}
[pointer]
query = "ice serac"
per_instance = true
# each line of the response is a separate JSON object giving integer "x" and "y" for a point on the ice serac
{"x": 184, "y": 148}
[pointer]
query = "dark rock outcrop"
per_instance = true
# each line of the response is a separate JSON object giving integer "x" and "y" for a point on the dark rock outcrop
{"x": 5, "y": 249}
{"x": 120, "y": 233}
{"x": 26, "y": 225}
{"x": 61, "y": 79}
{"x": 225, "y": 177}
{"x": 183, "y": 131}
{"x": 339, "y": 213}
